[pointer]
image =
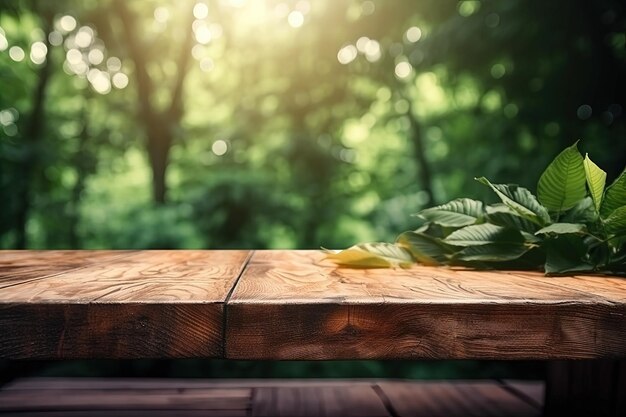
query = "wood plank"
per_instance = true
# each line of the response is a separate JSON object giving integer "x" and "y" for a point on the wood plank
{"x": 132, "y": 413}
{"x": 611, "y": 288}
{"x": 149, "y": 304}
{"x": 295, "y": 305}
{"x": 144, "y": 277}
{"x": 454, "y": 399}
{"x": 18, "y": 266}
{"x": 530, "y": 391}
{"x": 52, "y": 397}
{"x": 83, "y": 383}
{"x": 197, "y": 399}
{"x": 328, "y": 401}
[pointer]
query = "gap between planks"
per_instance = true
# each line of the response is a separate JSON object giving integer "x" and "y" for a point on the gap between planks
{"x": 244, "y": 266}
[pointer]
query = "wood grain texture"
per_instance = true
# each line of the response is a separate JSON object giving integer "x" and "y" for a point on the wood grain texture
{"x": 462, "y": 399}
{"x": 610, "y": 288}
{"x": 295, "y": 305}
{"x": 18, "y": 266}
{"x": 143, "y": 277}
{"x": 149, "y": 304}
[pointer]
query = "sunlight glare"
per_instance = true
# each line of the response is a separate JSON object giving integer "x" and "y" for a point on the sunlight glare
{"x": 403, "y": 69}
{"x": 114, "y": 64}
{"x": 200, "y": 11}
{"x": 295, "y": 19}
{"x": 120, "y": 80}
{"x": 38, "y": 52}
{"x": 67, "y": 23}
{"x": 203, "y": 34}
{"x": 95, "y": 56}
{"x": 16, "y": 53}
{"x": 84, "y": 37}
{"x": 347, "y": 54}
{"x": 220, "y": 147}
{"x": 372, "y": 50}
{"x": 361, "y": 43}
{"x": 99, "y": 81}
{"x": 74, "y": 56}
{"x": 413, "y": 34}
{"x": 55, "y": 38}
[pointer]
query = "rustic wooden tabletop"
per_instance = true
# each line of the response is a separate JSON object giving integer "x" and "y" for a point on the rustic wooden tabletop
{"x": 296, "y": 305}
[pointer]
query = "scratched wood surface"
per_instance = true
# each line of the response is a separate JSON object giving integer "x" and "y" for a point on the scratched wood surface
{"x": 134, "y": 305}
{"x": 293, "y": 398}
{"x": 296, "y": 305}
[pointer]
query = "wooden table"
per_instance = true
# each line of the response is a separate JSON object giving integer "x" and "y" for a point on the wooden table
{"x": 296, "y": 305}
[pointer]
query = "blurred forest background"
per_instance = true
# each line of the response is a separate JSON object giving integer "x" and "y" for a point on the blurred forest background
{"x": 289, "y": 123}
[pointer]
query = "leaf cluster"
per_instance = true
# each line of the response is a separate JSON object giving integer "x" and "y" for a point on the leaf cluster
{"x": 574, "y": 224}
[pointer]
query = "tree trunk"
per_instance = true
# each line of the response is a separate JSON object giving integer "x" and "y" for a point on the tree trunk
{"x": 32, "y": 138}
{"x": 159, "y": 145}
{"x": 419, "y": 151}
{"x": 158, "y": 124}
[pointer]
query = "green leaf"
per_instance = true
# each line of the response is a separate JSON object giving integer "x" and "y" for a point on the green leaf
{"x": 492, "y": 252}
{"x": 566, "y": 254}
{"x": 456, "y": 213}
{"x": 615, "y": 196}
{"x": 483, "y": 234}
{"x": 562, "y": 184}
{"x": 520, "y": 200}
{"x": 583, "y": 212}
{"x": 596, "y": 178}
{"x": 615, "y": 224}
{"x": 563, "y": 229}
{"x": 502, "y": 215}
{"x": 372, "y": 255}
{"x": 428, "y": 250}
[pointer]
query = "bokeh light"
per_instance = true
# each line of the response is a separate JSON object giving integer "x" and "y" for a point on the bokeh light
{"x": 347, "y": 54}
{"x": 413, "y": 34}
{"x": 295, "y": 19}
{"x": 219, "y": 147}
{"x": 200, "y": 11}
{"x": 16, "y": 53}
{"x": 38, "y": 52}
{"x": 67, "y": 23}
{"x": 403, "y": 70}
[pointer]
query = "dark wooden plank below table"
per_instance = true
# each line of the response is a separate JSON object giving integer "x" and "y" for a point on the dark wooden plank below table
{"x": 462, "y": 399}
{"x": 148, "y": 304}
{"x": 38, "y": 397}
{"x": 296, "y": 305}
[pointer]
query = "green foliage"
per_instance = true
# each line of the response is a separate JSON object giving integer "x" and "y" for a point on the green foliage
{"x": 464, "y": 232}
{"x": 615, "y": 196}
{"x": 456, "y": 213}
{"x": 596, "y": 178}
{"x": 562, "y": 184}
